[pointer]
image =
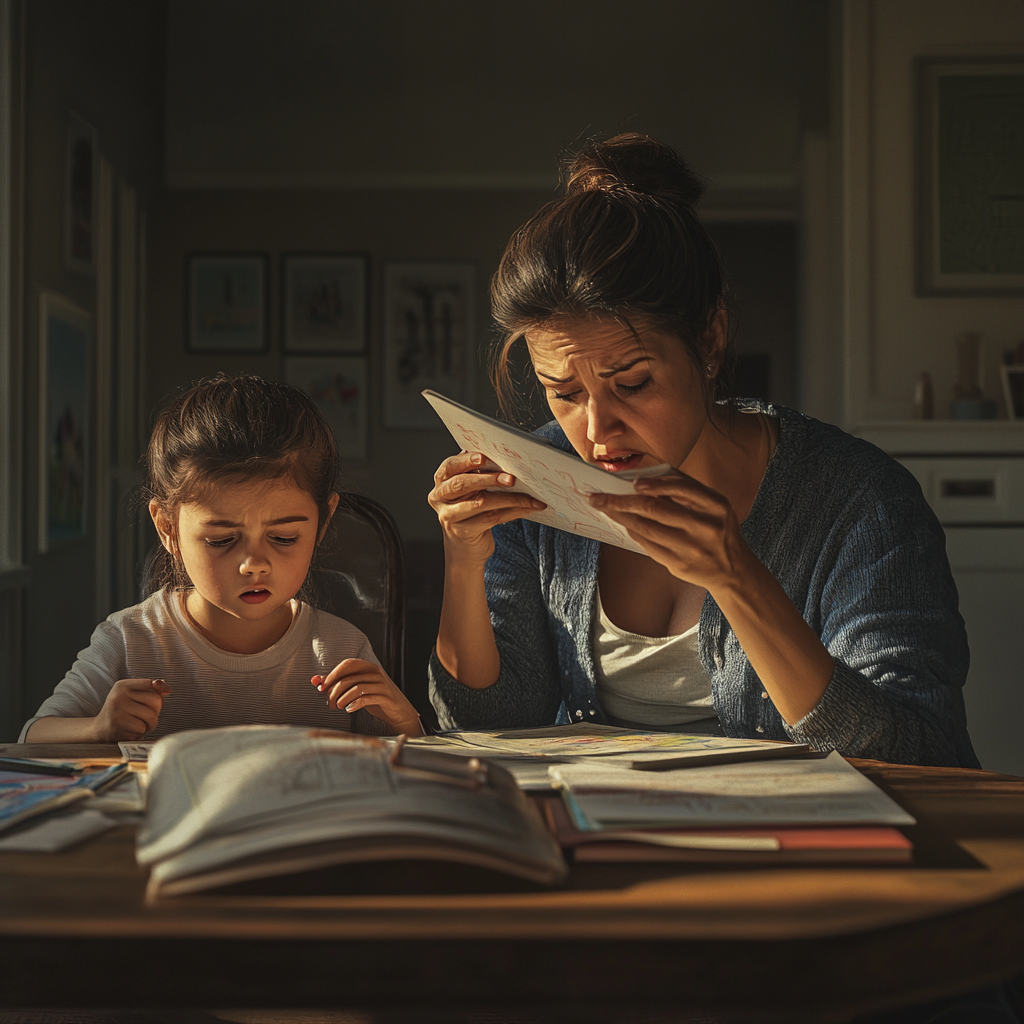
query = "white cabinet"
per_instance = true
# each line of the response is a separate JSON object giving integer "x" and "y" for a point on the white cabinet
{"x": 980, "y": 502}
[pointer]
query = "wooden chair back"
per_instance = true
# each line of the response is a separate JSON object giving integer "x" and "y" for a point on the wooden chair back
{"x": 359, "y": 575}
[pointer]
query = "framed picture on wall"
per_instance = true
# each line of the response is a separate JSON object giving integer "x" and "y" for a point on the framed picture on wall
{"x": 971, "y": 173}
{"x": 324, "y": 302}
{"x": 1012, "y": 376}
{"x": 80, "y": 167}
{"x": 338, "y": 386}
{"x": 65, "y": 355}
{"x": 429, "y": 334}
{"x": 227, "y": 302}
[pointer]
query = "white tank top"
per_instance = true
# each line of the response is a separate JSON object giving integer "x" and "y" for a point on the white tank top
{"x": 645, "y": 680}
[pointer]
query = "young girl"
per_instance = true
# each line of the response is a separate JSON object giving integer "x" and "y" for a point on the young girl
{"x": 241, "y": 476}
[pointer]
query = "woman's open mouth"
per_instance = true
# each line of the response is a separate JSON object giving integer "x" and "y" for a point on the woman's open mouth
{"x": 255, "y": 596}
{"x": 618, "y": 463}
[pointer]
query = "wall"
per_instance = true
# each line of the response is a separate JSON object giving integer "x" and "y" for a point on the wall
{"x": 460, "y": 93}
{"x": 104, "y": 59}
{"x": 894, "y": 334}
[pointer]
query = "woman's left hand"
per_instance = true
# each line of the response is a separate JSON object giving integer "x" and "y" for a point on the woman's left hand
{"x": 687, "y": 527}
{"x": 355, "y": 684}
{"x": 693, "y": 531}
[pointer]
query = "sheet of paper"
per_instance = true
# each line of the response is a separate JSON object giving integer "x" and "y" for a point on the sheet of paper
{"x": 760, "y": 792}
{"x": 57, "y": 832}
{"x": 136, "y": 751}
{"x": 559, "y": 479}
{"x": 527, "y": 753}
{"x": 595, "y": 741}
{"x": 128, "y": 795}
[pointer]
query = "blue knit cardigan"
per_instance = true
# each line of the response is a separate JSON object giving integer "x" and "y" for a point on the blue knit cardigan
{"x": 846, "y": 532}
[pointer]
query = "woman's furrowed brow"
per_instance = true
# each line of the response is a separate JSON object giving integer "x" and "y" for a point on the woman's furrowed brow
{"x": 554, "y": 380}
{"x": 269, "y": 522}
{"x": 623, "y": 367}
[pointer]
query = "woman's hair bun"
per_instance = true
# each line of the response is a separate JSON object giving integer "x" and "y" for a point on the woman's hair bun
{"x": 633, "y": 163}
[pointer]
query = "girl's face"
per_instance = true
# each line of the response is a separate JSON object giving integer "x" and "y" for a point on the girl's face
{"x": 623, "y": 405}
{"x": 247, "y": 549}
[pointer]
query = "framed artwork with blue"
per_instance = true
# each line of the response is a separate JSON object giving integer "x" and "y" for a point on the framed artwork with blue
{"x": 227, "y": 302}
{"x": 65, "y": 364}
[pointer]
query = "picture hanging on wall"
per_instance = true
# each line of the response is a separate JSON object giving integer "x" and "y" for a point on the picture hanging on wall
{"x": 65, "y": 344}
{"x": 429, "y": 321}
{"x": 971, "y": 195}
{"x": 324, "y": 302}
{"x": 80, "y": 163}
{"x": 227, "y": 302}
{"x": 1013, "y": 389}
{"x": 338, "y": 386}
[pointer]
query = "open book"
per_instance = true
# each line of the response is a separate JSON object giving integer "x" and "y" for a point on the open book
{"x": 561, "y": 480}
{"x": 248, "y": 802}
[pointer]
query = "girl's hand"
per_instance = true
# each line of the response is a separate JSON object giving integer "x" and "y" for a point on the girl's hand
{"x": 356, "y": 684}
{"x": 131, "y": 709}
{"x": 687, "y": 527}
{"x": 468, "y": 510}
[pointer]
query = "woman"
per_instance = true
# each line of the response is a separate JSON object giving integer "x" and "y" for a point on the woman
{"x": 795, "y": 584}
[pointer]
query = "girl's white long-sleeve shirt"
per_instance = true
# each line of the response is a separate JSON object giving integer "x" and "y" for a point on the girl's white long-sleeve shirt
{"x": 211, "y": 687}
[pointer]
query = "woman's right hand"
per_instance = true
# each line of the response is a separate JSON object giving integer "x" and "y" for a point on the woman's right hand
{"x": 468, "y": 510}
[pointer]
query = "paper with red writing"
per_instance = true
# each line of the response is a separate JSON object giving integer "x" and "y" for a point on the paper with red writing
{"x": 559, "y": 479}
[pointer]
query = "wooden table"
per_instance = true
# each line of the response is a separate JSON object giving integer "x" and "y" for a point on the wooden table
{"x": 788, "y": 944}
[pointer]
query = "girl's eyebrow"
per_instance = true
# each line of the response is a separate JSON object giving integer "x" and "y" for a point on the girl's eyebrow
{"x": 269, "y": 522}
{"x": 604, "y": 374}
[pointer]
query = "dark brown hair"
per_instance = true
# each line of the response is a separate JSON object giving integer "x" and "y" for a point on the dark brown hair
{"x": 234, "y": 429}
{"x": 623, "y": 242}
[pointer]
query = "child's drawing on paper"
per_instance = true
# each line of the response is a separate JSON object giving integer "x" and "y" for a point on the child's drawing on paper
{"x": 562, "y": 481}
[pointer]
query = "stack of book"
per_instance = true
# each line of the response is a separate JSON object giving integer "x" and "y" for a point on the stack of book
{"x": 819, "y": 810}
{"x": 614, "y": 795}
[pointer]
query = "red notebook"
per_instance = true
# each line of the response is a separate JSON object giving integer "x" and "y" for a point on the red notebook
{"x": 784, "y": 845}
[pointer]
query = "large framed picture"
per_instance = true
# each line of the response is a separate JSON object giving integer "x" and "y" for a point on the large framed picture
{"x": 65, "y": 347}
{"x": 429, "y": 321}
{"x": 80, "y": 166}
{"x": 338, "y": 386}
{"x": 227, "y": 302}
{"x": 971, "y": 172}
{"x": 324, "y": 302}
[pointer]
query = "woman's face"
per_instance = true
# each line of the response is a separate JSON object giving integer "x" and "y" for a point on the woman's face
{"x": 623, "y": 404}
